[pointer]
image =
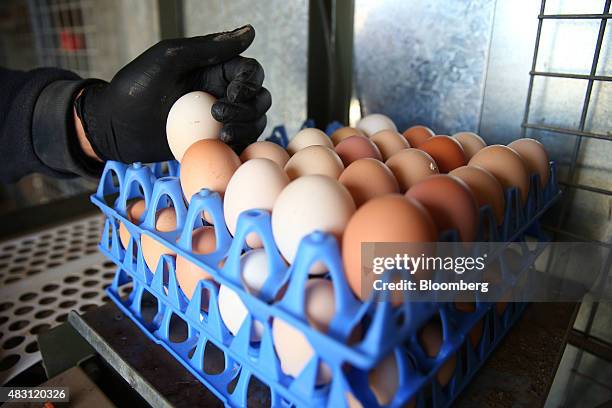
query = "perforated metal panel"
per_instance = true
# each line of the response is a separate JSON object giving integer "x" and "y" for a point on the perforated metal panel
{"x": 42, "y": 277}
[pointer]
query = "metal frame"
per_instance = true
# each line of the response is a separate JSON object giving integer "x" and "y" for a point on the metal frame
{"x": 49, "y": 19}
{"x": 330, "y": 60}
{"x": 581, "y": 339}
{"x": 591, "y": 78}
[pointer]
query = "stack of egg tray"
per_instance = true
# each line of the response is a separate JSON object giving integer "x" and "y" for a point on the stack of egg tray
{"x": 384, "y": 329}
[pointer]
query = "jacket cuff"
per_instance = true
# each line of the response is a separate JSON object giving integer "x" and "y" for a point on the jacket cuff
{"x": 54, "y": 134}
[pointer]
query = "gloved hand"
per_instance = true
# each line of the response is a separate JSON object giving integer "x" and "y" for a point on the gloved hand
{"x": 125, "y": 120}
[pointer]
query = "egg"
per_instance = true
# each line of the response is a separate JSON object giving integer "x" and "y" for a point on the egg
{"x": 134, "y": 212}
{"x": 255, "y": 185}
{"x": 446, "y": 151}
{"x": 265, "y": 150}
{"x": 292, "y": 348}
{"x": 308, "y": 204}
{"x": 430, "y": 338}
{"x": 417, "y": 135}
{"x": 320, "y": 303}
{"x": 470, "y": 142}
{"x": 534, "y": 156}
{"x": 188, "y": 274}
{"x": 485, "y": 188}
{"x": 506, "y": 165}
{"x": 374, "y": 123}
{"x": 357, "y": 147}
{"x": 368, "y": 178}
{"x": 152, "y": 250}
{"x": 309, "y": 137}
{"x": 189, "y": 120}
{"x": 450, "y": 203}
{"x": 389, "y": 218}
{"x": 351, "y": 400}
{"x": 409, "y": 166}
{"x": 314, "y": 160}
{"x": 389, "y": 142}
{"x": 494, "y": 276}
{"x": 208, "y": 163}
{"x": 254, "y": 272}
{"x": 466, "y": 306}
{"x": 344, "y": 132}
{"x": 384, "y": 380}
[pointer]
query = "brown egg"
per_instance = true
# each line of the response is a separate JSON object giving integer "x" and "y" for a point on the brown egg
{"x": 368, "y": 178}
{"x": 344, "y": 132}
{"x": 152, "y": 250}
{"x": 357, "y": 147}
{"x": 485, "y": 188}
{"x": 188, "y": 275}
{"x": 134, "y": 211}
{"x": 314, "y": 159}
{"x": 389, "y": 142}
{"x": 450, "y": 203}
{"x": 384, "y": 380}
{"x": 506, "y": 165}
{"x": 468, "y": 305}
{"x": 470, "y": 142}
{"x": 431, "y": 339}
{"x": 417, "y": 135}
{"x": 409, "y": 166}
{"x": 534, "y": 156}
{"x": 207, "y": 163}
{"x": 265, "y": 150}
{"x": 389, "y": 218}
{"x": 446, "y": 151}
{"x": 493, "y": 275}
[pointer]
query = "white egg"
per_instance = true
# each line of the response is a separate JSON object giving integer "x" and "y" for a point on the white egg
{"x": 310, "y": 203}
{"x": 255, "y": 185}
{"x": 375, "y": 122}
{"x": 309, "y": 137}
{"x": 189, "y": 120}
{"x": 292, "y": 348}
{"x": 254, "y": 269}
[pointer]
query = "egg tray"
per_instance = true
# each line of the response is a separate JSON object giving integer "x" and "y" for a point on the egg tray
{"x": 385, "y": 329}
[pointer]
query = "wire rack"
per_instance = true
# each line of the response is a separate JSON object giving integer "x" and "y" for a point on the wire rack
{"x": 63, "y": 35}
{"x": 569, "y": 183}
{"x": 580, "y": 337}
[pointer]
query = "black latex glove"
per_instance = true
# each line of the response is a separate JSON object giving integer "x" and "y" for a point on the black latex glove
{"x": 125, "y": 120}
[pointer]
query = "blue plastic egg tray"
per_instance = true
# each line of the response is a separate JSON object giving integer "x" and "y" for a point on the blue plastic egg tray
{"x": 384, "y": 329}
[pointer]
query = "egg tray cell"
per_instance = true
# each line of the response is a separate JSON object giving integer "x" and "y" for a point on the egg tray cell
{"x": 385, "y": 329}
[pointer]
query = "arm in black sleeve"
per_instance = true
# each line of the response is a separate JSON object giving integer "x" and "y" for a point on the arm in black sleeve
{"x": 37, "y": 132}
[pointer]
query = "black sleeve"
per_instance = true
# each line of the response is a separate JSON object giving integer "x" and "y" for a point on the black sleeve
{"x": 37, "y": 131}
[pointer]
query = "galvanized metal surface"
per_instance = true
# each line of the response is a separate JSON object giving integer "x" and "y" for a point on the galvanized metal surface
{"x": 464, "y": 65}
{"x": 42, "y": 277}
{"x": 149, "y": 369}
{"x": 423, "y": 62}
{"x": 518, "y": 372}
{"x": 280, "y": 46}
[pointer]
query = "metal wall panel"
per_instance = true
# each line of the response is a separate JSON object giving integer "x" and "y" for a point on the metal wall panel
{"x": 464, "y": 65}
{"x": 280, "y": 46}
{"x": 423, "y": 62}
